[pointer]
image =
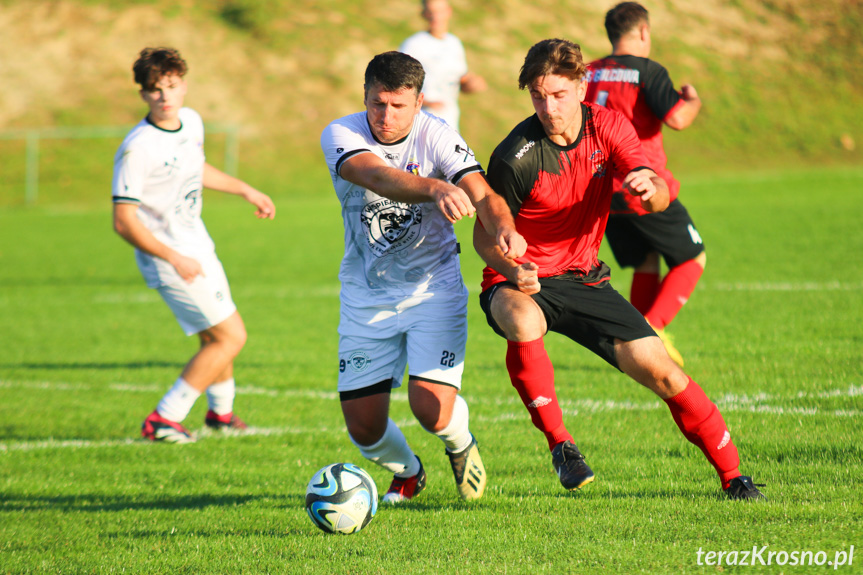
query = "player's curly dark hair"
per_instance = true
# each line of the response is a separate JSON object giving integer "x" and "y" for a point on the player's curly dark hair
{"x": 153, "y": 63}
{"x": 394, "y": 71}
{"x": 555, "y": 56}
{"x": 623, "y": 18}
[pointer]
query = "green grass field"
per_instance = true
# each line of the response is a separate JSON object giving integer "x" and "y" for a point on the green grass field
{"x": 773, "y": 333}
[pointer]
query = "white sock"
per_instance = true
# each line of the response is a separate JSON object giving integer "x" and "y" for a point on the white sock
{"x": 392, "y": 452}
{"x": 456, "y": 435}
{"x": 178, "y": 402}
{"x": 220, "y": 396}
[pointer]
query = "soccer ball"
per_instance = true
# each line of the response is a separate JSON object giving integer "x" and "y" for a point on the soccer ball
{"x": 341, "y": 498}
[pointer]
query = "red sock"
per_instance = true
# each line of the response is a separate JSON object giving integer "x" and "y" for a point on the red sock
{"x": 675, "y": 290}
{"x": 532, "y": 375}
{"x": 702, "y": 424}
{"x": 643, "y": 292}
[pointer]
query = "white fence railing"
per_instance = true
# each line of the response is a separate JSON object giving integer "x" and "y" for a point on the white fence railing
{"x": 33, "y": 136}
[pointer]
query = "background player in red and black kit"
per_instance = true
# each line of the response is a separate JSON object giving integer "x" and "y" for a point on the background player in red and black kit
{"x": 640, "y": 89}
{"x": 555, "y": 172}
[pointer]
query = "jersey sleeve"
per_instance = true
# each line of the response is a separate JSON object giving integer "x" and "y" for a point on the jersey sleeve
{"x": 131, "y": 166}
{"x": 505, "y": 181}
{"x": 452, "y": 155}
{"x": 339, "y": 142}
{"x": 659, "y": 92}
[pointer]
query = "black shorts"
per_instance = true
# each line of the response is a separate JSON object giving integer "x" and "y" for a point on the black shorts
{"x": 671, "y": 233}
{"x": 591, "y": 315}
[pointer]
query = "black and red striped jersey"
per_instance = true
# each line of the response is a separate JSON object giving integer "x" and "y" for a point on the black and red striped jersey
{"x": 560, "y": 196}
{"x": 641, "y": 90}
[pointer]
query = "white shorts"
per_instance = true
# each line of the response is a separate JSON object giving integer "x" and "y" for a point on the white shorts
{"x": 203, "y": 303}
{"x": 376, "y": 343}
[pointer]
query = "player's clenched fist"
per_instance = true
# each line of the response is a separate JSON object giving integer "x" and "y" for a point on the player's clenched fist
{"x": 526, "y": 278}
{"x": 511, "y": 243}
{"x": 453, "y": 202}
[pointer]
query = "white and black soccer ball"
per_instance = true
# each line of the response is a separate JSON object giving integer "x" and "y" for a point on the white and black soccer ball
{"x": 341, "y": 498}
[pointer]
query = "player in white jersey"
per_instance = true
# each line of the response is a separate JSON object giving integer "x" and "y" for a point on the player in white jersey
{"x": 159, "y": 175}
{"x": 403, "y": 177}
{"x": 443, "y": 59}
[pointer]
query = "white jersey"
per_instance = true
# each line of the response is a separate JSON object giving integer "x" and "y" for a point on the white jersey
{"x": 394, "y": 251}
{"x": 444, "y": 62}
{"x": 162, "y": 171}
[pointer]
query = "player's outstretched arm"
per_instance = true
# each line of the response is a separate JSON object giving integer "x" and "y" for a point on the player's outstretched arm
{"x": 651, "y": 188}
{"x": 218, "y": 180}
{"x": 495, "y": 215}
{"x": 525, "y": 276}
{"x": 372, "y": 173}
{"x": 130, "y": 228}
{"x": 686, "y": 113}
{"x": 472, "y": 83}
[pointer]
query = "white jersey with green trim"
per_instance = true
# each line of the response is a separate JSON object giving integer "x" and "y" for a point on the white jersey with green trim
{"x": 396, "y": 251}
{"x": 162, "y": 171}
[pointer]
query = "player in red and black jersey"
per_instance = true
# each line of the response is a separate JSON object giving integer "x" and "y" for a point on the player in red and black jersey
{"x": 639, "y": 88}
{"x": 556, "y": 171}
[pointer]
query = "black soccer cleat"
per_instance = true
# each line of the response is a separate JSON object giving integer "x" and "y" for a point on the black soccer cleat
{"x": 570, "y": 466}
{"x": 743, "y": 488}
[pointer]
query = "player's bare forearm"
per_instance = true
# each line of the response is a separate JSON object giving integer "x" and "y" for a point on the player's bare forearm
{"x": 687, "y": 111}
{"x": 651, "y": 189}
{"x": 495, "y": 215}
{"x": 370, "y": 172}
{"x": 218, "y": 180}
{"x": 472, "y": 83}
{"x": 487, "y": 248}
{"x": 659, "y": 200}
{"x": 129, "y": 227}
{"x": 525, "y": 276}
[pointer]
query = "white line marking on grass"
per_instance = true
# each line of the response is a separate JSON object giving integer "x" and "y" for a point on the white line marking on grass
{"x": 762, "y": 403}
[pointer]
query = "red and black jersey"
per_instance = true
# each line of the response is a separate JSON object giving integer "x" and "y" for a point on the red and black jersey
{"x": 642, "y": 91}
{"x": 560, "y": 196}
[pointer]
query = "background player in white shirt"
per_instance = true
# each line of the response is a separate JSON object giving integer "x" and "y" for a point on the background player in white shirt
{"x": 159, "y": 175}
{"x": 442, "y": 56}
{"x": 403, "y": 177}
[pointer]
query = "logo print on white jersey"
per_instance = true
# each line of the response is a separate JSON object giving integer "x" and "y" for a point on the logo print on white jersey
{"x": 391, "y": 226}
{"x": 188, "y": 208}
{"x": 467, "y": 152}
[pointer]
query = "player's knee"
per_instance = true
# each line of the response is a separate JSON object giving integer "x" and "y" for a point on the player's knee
{"x": 427, "y": 408}
{"x": 233, "y": 339}
{"x": 670, "y": 381}
{"x": 519, "y": 321}
{"x": 366, "y": 432}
